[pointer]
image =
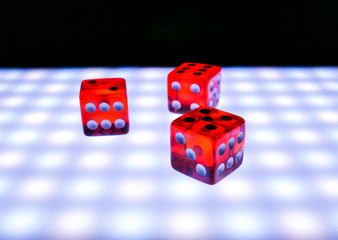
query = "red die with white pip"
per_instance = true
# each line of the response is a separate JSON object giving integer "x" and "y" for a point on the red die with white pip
{"x": 191, "y": 85}
{"x": 104, "y": 107}
{"x": 207, "y": 144}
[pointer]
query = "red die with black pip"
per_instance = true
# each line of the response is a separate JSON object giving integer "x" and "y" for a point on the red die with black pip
{"x": 192, "y": 85}
{"x": 104, "y": 107}
{"x": 207, "y": 144}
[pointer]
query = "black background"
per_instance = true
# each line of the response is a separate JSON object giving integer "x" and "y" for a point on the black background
{"x": 120, "y": 33}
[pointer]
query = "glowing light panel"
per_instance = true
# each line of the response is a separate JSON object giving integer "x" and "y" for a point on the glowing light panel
{"x": 56, "y": 183}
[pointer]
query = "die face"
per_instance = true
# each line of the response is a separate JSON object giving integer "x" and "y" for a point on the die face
{"x": 195, "y": 71}
{"x": 214, "y": 90}
{"x": 104, "y": 107}
{"x": 209, "y": 133}
{"x": 229, "y": 152}
{"x": 191, "y": 153}
{"x": 189, "y": 86}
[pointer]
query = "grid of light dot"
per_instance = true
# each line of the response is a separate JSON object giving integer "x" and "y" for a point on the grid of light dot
{"x": 57, "y": 183}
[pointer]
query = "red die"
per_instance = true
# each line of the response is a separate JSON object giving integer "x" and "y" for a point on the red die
{"x": 207, "y": 144}
{"x": 104, "y": 106}
{"x": 192, "y": 85}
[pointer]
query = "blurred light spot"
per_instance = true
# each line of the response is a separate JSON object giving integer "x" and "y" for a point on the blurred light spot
{"x": 265, "y": 136}
{"x": 284, "y": 100}
{"x": 317, "y": 100}
{"x": 54, "y": 88}
{"x": 298, "y": 73}
{"x": 73, "y": 223}
{"x": 238, "y": 189}
{"x": 327, "y": 186}
{"x": 184, "y": 189}
{"x": 327, "y": 116}
{"x": 72, "y": 102}
{"x": 244, "y": 87}
{"x": 63, "y": 74}
{"x": 118, "y": 224}
{"x": 307, "y": 86}
{"x": 136, "y": 189}
{"x": 95, "y": 161}
{"x": 24, "y": 136}
{"x": 317, "y": 159}
{"x": 12, "y": 74}
{"x": 276, "y": 86}
{"x": 325, "y": 73}
{"x": 46, "y": 102}
{"x": 13, "y": 102}
{"x": 300, "y": 224}
{"x": 274, "y": 160}
{"x": 286, "y": 188}
{"x": 151, "y": 87}
{"x": 186, "y": 224}
{"x": 250, "y": 100}
{"x": 151, "y": 74}
{"x": 6, "y": 116}
{"x": 51, "y": 160}
{"x": 4, "y": 87}
{"x": 21, "y": 222}
{"x": 330, "y": 86}
{"x": 124, "y": 72}
{"x": 92, "y": 73}
{"x": 232, "y": 222}
{"x": 305, "y": 136}
{"x": 146, "y": 117}
{"x": 268, "y": 73}
{"x": 35, "y": 118}
{"x": 69, "y": 118}
{"x": 37, "y": 188}
{"x": 101, "y": 142}
{"x": 143, "y": 137}
{"x": 85, "y": 188}
{"x": 25, "y": 88}
{"x": 61, "y": 137}
{"x": 146, "y": 102}
{"x": 12, "y": 159}
{"x": 225, "y": 101}
{"x": 140, "y": 160}
{"x": 258, "y": 117}
{"x": 35, "y": 75}
{"x": 293, "y": 116}
{"x": 238, "y": 73}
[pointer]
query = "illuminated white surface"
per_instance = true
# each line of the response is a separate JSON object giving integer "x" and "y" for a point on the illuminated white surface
{"x": 21, "y": 222}
{"x": 72, "y": 223}
{"x": 57, "y": 183}
{"x": 37, "y": 188}
{"x": 294, "y": 222}
{"x": 186, "y": 222}
{"x": 243, "y": 223}
{"x": 118, "y": 224}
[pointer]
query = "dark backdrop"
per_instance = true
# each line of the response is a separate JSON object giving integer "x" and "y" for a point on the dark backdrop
{"x": 119, "y": 33}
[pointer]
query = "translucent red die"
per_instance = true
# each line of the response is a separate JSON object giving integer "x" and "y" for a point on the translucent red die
{"x": 104, "y": 107}
{"x": 191, "y": 85}
{"x": 207, "y": 144}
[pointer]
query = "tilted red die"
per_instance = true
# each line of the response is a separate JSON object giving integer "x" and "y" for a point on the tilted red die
{"x": 207, "y": 144}
{"x": 191, "y": 85}
{"x": 104, "y": 107}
